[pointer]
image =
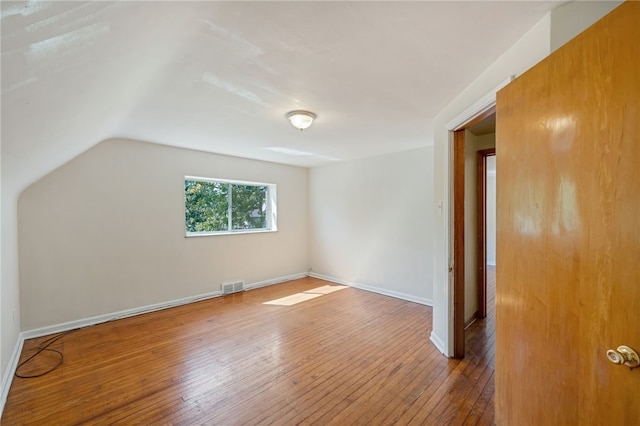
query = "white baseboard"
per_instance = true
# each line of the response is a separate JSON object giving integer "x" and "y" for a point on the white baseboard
{"x": 85, "y": 322}
{"x": 7, "y": 378}
{"x": 9, "y": 373}
{"x": 276, "y": 281}
{"x": 439, "y": 344}
{"x": 98, "y": 319}
{"x": 385, "y": 292}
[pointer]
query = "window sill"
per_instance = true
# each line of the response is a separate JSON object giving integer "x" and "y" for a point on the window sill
{"x": 239, "y": 232}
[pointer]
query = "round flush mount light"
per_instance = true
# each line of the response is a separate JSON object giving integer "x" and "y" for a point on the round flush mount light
{"x": 300, "y": 119}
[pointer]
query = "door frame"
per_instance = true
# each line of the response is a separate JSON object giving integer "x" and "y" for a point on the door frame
{"x": 481, "y": 159}
{"x": 458, "y": 231}
{"x": 458, "y": 243}
{"x": 455, "y": 230}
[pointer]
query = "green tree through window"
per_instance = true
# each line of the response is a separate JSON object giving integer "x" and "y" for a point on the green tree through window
{"x": 217, "y": 206}
{"x": 248, "y": 207}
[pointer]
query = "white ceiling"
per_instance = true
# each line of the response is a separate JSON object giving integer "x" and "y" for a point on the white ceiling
{"x": 220, "y": 76}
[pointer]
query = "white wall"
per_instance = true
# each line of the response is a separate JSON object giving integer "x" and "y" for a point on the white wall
{"x": 10, "y": 290}
{"x": 570, "y": 19}
{"x": 105, "y": 232}
{"x": 491, "y": 210}
{"x": 472, "y": 144}
{"x": 526, "y": 52}
{"x": 371, "y": 223}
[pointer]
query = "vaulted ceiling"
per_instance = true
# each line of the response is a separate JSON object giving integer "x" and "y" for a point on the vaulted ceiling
{"x": 220, "y": 76}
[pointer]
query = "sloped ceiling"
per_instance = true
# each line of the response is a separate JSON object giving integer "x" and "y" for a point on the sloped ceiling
{"x": 219, "y": 76}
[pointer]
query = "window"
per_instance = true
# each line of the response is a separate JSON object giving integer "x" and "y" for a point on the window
{"x": 218, "y": 206}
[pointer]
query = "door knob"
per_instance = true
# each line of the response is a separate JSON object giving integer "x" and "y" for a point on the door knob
{"x": 624, "y": 355}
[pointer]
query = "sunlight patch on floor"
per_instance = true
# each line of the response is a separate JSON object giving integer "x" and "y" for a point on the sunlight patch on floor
{"x": 305, "y": 295}
{"x": 293, "y": 299}
{"x": 326, "y": 289}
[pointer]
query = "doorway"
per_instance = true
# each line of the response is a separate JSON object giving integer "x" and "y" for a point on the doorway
{"x": 486, "y": 207}
{"x": 474, "y": 279}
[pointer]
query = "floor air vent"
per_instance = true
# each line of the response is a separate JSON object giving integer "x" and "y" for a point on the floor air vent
{"x": 228, "y": 288}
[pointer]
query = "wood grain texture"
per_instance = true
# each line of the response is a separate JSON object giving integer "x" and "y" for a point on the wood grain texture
{"x": 458, "y": 244}
{"x": 569, "y": 231}
{"x": 348, "y": 357}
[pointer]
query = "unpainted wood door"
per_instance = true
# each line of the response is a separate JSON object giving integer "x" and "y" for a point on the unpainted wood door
{"x": 568, "y": 234}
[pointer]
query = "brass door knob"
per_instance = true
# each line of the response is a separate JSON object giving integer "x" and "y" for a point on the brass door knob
{"x": 624, "y": 355}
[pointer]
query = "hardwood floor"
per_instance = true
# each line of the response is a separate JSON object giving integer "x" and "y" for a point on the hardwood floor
{"x": 347, "y": 357}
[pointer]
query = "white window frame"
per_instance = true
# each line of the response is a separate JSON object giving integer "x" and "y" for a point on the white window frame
{"x": 272, "y": 208}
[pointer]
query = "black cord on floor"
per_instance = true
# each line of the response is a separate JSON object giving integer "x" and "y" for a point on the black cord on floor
{"x": 42, "y": 347}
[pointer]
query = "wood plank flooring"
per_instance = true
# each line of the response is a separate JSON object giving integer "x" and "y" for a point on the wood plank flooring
{"x": 347, "y": 357}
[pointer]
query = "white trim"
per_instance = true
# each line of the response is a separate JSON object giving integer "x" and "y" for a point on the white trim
{"x": 232, "y": 181}
{"x": 328, "y": 278}
{"x": 481, "y": 105}
{"x": 446, "y": 345}
{"x": 490, "y": 263}
{"x": 7, "y": 379}
{"x": 478, "y": 107}
{"x": 235, "y": 232}
{"x": 98, "y": 319}
{"x": 384, "y": 292}
{"x": 275, "y": 281}
{"x": 435, "y": 339}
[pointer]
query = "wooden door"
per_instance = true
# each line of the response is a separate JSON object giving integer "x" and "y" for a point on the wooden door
{"x": 568, "y": 280}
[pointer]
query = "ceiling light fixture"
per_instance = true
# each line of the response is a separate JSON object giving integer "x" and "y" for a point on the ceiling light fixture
{"x": 300, "y": 119}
